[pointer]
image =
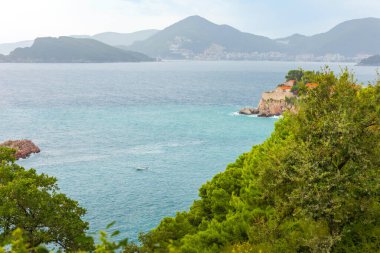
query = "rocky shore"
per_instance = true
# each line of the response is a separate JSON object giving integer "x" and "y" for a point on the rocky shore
{"x": 24, "y": 148}
{"x": 249, "y": 111}
{"x": 272, "y": 103}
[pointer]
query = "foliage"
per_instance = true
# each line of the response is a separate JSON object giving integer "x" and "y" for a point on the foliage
{"x": 7, "y": 154}
{"x": 302, "y": 77}
{"x": 313, "y": 186}
{"x": 108, "y": 246}
{"x": 295, "y": 74}
{"x": 295, "y": 88}
{"x": 18, "y": 244}
{"x": 32, "y": 203}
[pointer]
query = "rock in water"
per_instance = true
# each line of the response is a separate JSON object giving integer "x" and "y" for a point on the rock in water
{"x": 24, "y": 148}
{"x": 248, "y": 111}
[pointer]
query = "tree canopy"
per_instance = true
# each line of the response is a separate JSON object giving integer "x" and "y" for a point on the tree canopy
{"x": 32, "y": 203}
{"x": 313, "y": 186}
{"x": 295, "y": 74}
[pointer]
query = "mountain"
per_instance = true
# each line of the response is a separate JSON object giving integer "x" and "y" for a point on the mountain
{"x": 6, "y": 48}
{"x": 371, "y": 61}
{"x": 111, "y": 38}
{"x": 350, "y": 39}
{"x": 119, "y": 39}
{"x": 197, "y": 36}
{"x": 67, "y": 49}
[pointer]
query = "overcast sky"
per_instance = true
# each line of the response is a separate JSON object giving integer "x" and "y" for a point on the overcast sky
{"x": 27, "y": 19}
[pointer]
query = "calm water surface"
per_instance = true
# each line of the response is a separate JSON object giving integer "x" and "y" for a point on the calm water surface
{"x": 134, "y": 142}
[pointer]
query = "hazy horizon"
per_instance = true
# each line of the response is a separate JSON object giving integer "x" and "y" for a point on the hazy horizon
{"x": 88, "y": 17}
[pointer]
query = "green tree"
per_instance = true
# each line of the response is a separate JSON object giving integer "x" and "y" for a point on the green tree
{"x": 295, "y": 74}
{"x": 18, "y": 244}
{"x": 309, "y": 76}
{"x": 108, "y": 246}
{"x": 330, "y": 172}
{"x": 32, "y": 203}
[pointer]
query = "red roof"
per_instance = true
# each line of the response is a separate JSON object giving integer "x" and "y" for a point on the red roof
{"x": 312, "y": 85}
{"x": 285, "y": 87}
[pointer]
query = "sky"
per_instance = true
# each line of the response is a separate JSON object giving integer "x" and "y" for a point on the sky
{"x": 28, "y": 19}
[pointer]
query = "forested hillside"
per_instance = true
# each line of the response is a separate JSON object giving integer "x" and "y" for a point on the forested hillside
{"x": 313, "y": 186}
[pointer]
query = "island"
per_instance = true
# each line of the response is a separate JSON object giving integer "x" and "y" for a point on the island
{"x": 72, "y": 50}
{"x": 373, "y": 60}
{"x": 24, "y": 148}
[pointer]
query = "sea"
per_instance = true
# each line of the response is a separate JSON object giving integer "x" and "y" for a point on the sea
{"x": 133, "y": 142}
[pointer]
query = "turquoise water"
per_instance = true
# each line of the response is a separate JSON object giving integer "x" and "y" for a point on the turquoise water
{"x": 134, "y": 142}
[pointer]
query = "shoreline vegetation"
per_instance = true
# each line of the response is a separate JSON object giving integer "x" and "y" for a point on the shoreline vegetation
{"x": 312, "y": 186}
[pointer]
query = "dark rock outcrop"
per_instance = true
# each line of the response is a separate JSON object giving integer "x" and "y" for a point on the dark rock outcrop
{"x": 24, "y": 148}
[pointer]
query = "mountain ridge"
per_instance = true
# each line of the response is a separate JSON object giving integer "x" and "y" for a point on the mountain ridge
{"x": 349, "y": 40}
{"x": 111, "y": 38}
{"x": 194, "y": 35}
{"x": 119, "y": 39}
{"x": 197, "y": 38}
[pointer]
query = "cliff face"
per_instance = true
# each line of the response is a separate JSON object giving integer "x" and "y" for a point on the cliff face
{"x": 274, "y": 103}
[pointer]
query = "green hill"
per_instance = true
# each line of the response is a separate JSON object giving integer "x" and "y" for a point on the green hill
{"x": 195, "y": 34}
{"x": 196, "y": 37}
{"x": 350, "y": 38}
{"x": 313, "y": 186}
{"x": 67, "y": 49}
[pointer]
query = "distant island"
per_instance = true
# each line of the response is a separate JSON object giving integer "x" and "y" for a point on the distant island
{"x": 72, "y": 50}
{"x": 196, "y": 38}
{"x": 370, "y": 61}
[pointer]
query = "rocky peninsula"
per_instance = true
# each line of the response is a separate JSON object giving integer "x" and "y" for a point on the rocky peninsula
{"x": 24, "y": 148}
{"x": 273, "y": 103}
